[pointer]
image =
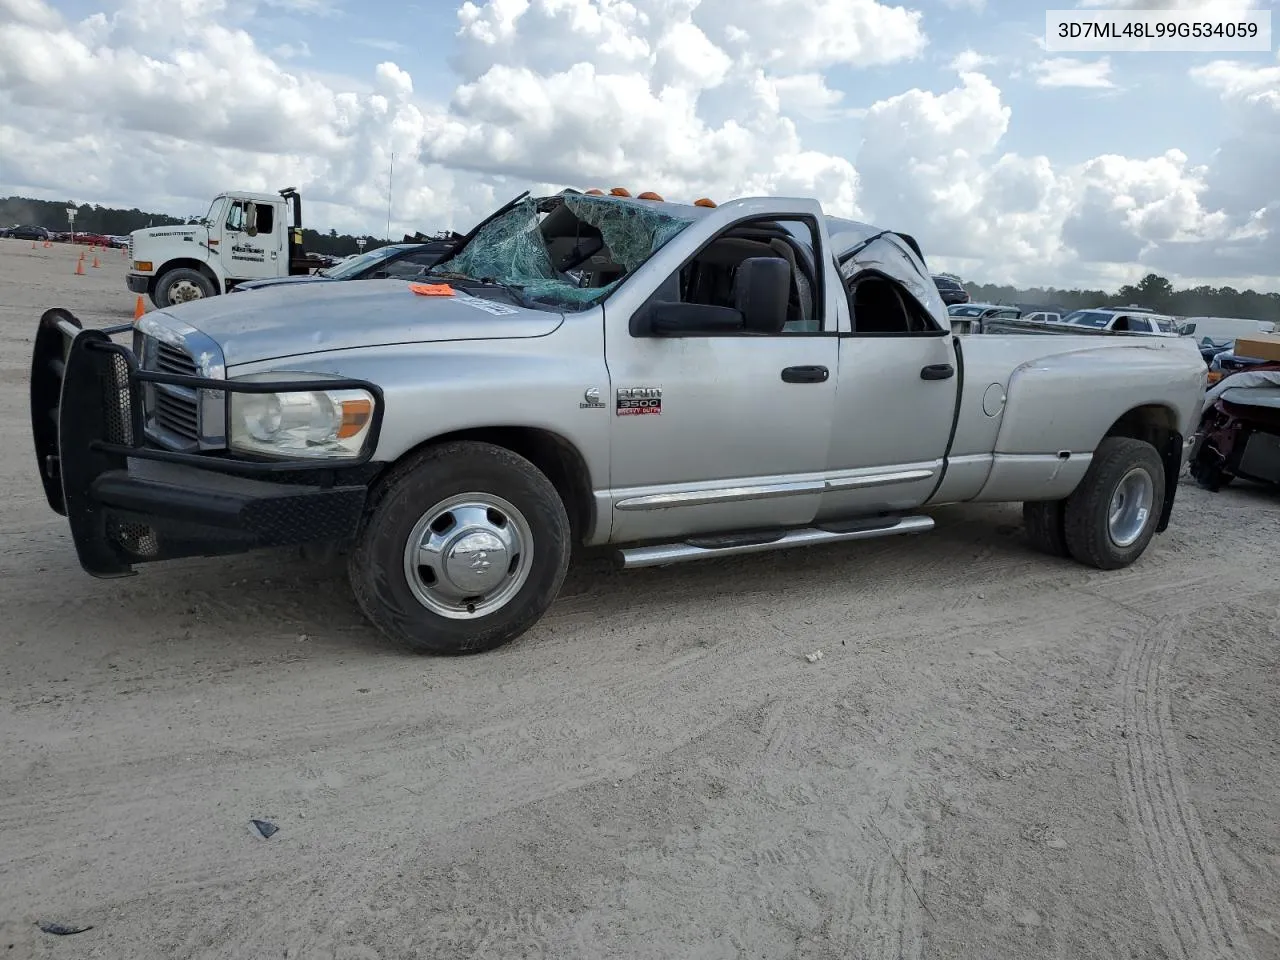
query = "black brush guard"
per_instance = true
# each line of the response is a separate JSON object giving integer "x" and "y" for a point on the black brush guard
{"x": 130, "y": 501}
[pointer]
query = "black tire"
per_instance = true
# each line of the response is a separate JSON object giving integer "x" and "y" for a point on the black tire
{"x": 180, "y": 277}
{"x": 1087, "y": 509}
{"x": 1043, "y": 522}
{"x": 377, "y": 565}
{"x": 1206, "y": 468}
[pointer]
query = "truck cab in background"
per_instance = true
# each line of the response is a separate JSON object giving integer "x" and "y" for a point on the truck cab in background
{"x": 244, "y": 236}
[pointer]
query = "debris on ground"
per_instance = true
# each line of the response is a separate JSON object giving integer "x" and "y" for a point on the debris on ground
{"x": 813, "y": 657}
{"x": 264, "y": 828}
{"x": 62, "y": 929}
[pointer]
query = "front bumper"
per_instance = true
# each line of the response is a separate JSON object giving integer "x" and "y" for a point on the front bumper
{"x": 128, "y": 501}
{"x": 137, "y": 282}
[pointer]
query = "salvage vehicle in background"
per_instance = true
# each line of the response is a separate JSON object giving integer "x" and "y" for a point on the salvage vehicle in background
{"x": 244, "y": 236}
{"x": 1239, "y": 431}
{"x": 968, "y": 318}
{"x": 1043, "y": 316}
{"x": 1123, "y": 320}
{"x": 402, "y": 260}
{"x": 950, "y": 289}
{"x": 678, "y": 381}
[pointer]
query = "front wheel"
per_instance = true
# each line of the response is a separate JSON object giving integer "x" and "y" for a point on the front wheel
{"x": 181, "y": 285}
{"x": 465, "y": 548}
{"x": 1110, "y": 518}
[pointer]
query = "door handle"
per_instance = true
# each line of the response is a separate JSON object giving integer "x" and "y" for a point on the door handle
{"x": 938, "y": 371}
{"x": 808, "y": 374}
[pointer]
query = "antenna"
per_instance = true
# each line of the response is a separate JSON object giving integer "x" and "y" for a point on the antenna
{"x": 390, "y": 173}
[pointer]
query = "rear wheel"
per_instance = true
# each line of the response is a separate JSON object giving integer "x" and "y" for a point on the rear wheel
{"x": 181, "y": 285}
{"x": 1043, "y": 522}
{"x": 465, "y": 548}
{"x": 1110, "y": 518}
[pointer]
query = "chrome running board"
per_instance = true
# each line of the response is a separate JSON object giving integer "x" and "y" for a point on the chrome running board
{"x": 733, "y": 544}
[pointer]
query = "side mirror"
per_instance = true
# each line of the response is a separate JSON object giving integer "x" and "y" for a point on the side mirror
{"x": 761, "y": 289}
{"x": 691, "y": 319}
{"x": 251, "y": 219}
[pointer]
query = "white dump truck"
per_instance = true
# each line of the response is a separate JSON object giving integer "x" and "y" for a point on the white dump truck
{"x": 244, "y": 236}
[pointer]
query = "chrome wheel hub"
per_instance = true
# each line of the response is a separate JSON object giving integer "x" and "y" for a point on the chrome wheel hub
{"x": 1130, "y": 507}
{"x": 468, "y": 556}
{"x": 183, "y": 291}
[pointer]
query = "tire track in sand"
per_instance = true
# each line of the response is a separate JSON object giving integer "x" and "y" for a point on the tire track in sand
{"x": 1194, "y": 916}
{"x": 873, "y": 887}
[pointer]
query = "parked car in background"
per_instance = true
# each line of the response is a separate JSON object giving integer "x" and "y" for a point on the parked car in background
{"x": 395, "y": 260}
{"x": 25, "y": 232}
{"x": 950, "y": 289}
{"x": 969, "y": 317}
{"x": 1123, "y": 320}
{"x": 1043, "y": 316}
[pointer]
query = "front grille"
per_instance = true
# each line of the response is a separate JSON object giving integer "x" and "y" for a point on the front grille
{"x": 171, "y": 359}
{"x": 172, "y": 410}
{"x": 176, "y": 414}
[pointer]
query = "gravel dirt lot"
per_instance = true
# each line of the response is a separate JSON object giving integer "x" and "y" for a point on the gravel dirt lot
{"x": 1000, "y": 755}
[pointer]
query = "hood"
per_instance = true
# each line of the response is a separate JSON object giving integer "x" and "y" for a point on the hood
{"x": 193, "y": 232}
{"x": 294, "y": 319}
{"x": 279, "y": 281}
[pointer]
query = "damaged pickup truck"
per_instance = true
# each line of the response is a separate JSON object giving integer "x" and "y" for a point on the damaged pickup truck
{"x": 677, "y": 381}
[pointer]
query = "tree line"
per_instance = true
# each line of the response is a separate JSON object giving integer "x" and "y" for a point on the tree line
{"x": 1152, "y": 291}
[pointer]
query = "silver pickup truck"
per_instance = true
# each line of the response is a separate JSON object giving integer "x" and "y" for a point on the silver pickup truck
{"x": 677, "y": 381}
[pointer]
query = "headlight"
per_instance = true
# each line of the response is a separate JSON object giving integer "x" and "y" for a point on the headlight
{"x": 322, "y": 423}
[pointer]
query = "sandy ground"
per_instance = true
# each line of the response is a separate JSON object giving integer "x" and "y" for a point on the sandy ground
{"x": 999, "y": 756}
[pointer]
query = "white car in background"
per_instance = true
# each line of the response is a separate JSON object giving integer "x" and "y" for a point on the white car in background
{"x": 1124, "y": 320}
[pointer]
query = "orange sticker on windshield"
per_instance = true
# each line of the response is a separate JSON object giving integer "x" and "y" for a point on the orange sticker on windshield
{"x": 432, "y": 289}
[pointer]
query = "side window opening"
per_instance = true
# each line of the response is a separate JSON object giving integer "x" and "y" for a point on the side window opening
{"x": 266, "y": 218}
{"x": 710, "y": 277}
{"x": 880, "y": 306}
{"x": 235, "y": 216}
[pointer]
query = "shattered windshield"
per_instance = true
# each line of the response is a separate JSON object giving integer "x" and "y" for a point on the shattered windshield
{"x": 565, "y": 252}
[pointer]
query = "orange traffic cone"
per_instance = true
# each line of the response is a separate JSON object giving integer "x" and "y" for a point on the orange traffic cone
{"x": 95, "y": 261}
{"x": 33, "y": 244}
{"x": 81, "y": 256}
{"x": 139, "y": 308}
{"x": 80, "y": 267}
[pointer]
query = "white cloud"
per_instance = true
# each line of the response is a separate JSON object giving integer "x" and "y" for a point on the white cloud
{"x": 967, "y": 61}
{"x": 806, "y": 94}
{"x": 1072, "y": 72}
{"x": 161, "y": 108}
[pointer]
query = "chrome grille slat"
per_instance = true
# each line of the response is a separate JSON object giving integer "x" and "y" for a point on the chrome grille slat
{"x": 173, "y": 410}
